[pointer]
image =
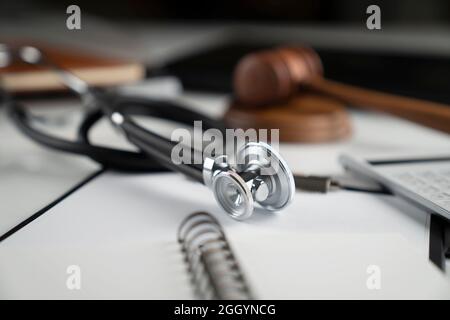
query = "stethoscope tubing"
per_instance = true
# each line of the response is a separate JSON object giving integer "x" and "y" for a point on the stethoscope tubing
{"x": 155, "y": 150}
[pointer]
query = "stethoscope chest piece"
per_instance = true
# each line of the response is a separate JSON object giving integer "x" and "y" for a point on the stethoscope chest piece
{"x": 276, "y": 180}
{"x": 260, "y": 175}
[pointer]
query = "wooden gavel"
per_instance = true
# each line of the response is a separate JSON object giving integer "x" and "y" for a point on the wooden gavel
{"x": 272, "y": 76}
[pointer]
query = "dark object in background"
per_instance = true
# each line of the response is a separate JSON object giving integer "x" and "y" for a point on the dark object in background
{"x": 439, "y": 241}
{"x": 430, "y": 12}
{"x": 424, "y": 77}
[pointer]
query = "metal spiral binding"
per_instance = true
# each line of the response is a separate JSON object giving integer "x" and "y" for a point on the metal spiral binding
{"x": 215, "y": 273}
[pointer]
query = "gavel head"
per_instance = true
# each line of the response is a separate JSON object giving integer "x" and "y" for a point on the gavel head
{"x": 271, "y": 76}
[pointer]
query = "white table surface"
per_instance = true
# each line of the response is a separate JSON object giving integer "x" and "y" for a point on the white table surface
{"x": 30, "y": 176}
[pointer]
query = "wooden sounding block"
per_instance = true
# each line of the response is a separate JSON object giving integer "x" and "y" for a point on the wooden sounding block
{"x": 303, "y": 118}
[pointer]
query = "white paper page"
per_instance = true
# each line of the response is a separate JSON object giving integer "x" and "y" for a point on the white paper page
{"x": 338, "y": 266}
{"x": 330, "y": 246}
{"x": 31, "y": 177}
{"x": 121, "y": 231}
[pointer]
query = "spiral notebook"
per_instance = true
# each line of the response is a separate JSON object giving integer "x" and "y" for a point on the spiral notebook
{"x": 211, "y": 263}
{"x": 134, "y": 237}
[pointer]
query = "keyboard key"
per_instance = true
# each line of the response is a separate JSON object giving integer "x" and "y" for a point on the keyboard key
{"x": 430, "y": 184}
{"x": 445, "y": 204}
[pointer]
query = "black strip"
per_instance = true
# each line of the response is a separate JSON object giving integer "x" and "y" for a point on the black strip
{"x": 50, "y": 205}
{"x": 401, "y": 161}
{"x": 439, "y": 242}
{"x": 382, "y": 190}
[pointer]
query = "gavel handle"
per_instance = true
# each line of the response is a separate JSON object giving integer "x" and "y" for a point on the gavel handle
{"x": 431, "y": 114}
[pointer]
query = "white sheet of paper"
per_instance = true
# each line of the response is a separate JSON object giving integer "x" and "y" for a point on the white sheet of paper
{"x": 121, "y": 231}
{"x": 31, "y": 177}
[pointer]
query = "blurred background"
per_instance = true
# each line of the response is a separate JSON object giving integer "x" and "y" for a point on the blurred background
{"x": 201, "y": 41}
{"x": 430, "y": 12}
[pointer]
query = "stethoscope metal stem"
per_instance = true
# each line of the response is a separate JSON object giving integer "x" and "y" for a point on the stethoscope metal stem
{"x": 235, "y": 187}
{"x": 34, "y": 56}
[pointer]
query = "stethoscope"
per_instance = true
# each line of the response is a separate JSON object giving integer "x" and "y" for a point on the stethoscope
{"x": 259, "y": 175}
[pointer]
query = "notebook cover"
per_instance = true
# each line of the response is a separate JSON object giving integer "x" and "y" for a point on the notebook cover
{"x": 96, "y": 70}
